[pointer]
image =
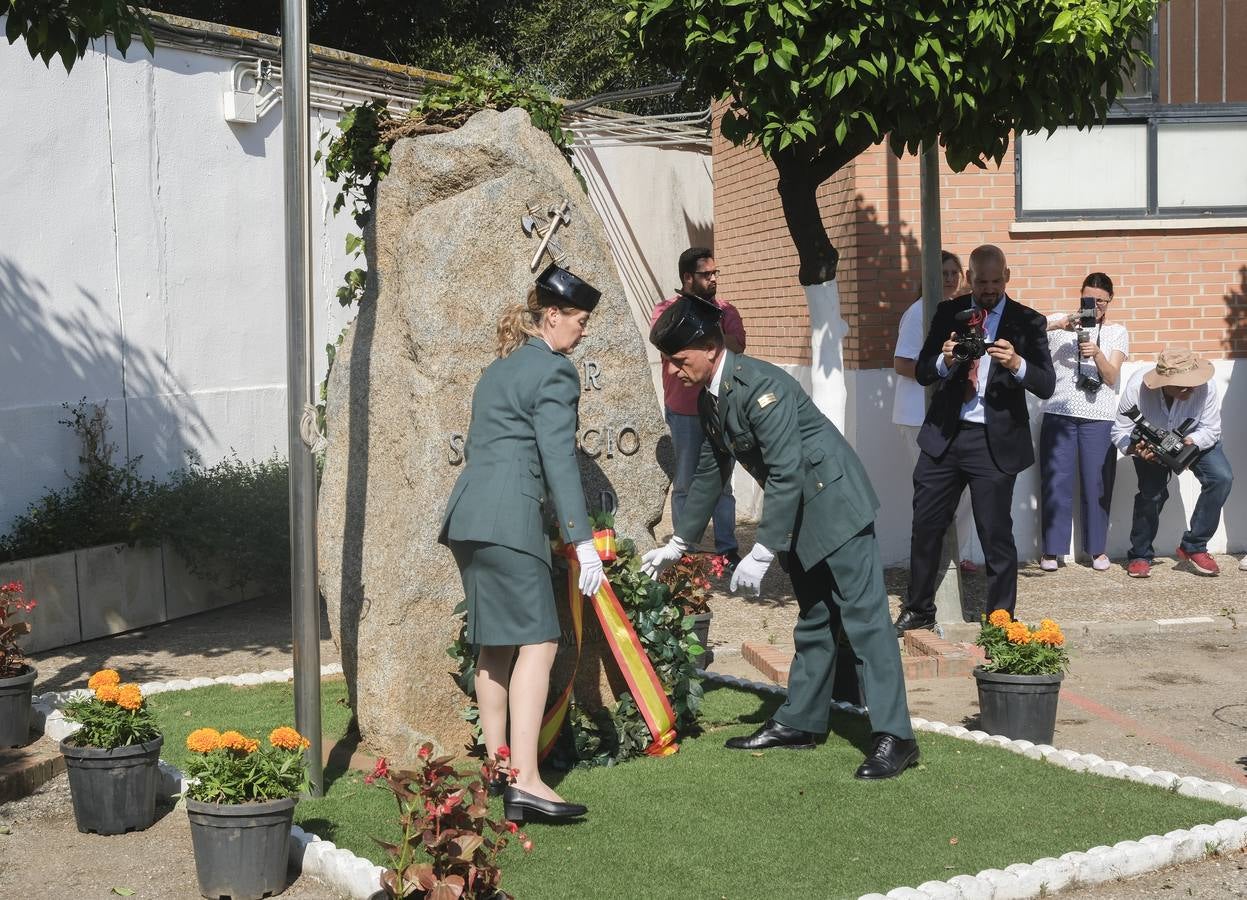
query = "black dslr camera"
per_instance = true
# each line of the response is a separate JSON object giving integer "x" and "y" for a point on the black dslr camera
{"x": 971, "y": 343}
{"x": 1168, "y": 446}
{"x": 970, "y": 346}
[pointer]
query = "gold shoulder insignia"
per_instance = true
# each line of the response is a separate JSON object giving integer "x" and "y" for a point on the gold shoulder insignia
{"x": 766, "y": 400}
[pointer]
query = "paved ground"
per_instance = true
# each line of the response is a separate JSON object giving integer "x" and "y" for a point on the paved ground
{"x": 1174, "y": 700}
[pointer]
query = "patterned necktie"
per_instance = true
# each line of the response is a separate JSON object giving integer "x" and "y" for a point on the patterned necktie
{"x": 977, "y": 319}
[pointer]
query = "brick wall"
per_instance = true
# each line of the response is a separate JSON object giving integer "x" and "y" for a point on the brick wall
{"x": 1173, "y": 285}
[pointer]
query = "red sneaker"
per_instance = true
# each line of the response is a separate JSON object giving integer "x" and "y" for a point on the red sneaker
{"x": 1139, "y": 568}
{"x": 1201, "y": 562}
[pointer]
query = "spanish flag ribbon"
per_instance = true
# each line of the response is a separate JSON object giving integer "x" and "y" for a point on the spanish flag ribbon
{"x": 633, "y": 661}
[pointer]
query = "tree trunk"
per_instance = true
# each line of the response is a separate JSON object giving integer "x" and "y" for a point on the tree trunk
{"x": 799, "y": 178}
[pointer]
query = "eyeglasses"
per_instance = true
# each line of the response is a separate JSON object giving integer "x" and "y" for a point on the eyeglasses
{"x": 708, "y": 273}
{"x": 1097, "y": 300}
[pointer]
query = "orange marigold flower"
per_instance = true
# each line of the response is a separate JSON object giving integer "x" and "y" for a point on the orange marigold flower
{"x": 103, "y": 677}
{"x": 107, "y": 693}
{"x": 1000, "y": 618}
{"x": 287, "y": 738}
{"x": 129, "y": 696}
{"x": 203, "y": 740}
{"x": 1018, "y": 633}
{"x": 1050, "y": 636}
{"x": 1049, "y": 625}
{"x": 236, "y": 740}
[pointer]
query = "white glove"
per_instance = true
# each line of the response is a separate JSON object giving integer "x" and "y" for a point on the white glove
{"x": 591, "y": 572}
{"x": 749, "y": 571}
{"x": 659, "y": 558}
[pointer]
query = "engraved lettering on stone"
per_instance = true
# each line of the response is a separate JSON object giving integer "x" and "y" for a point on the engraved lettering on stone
{"x": 630, "y": 446}
{"x": 593, "y": 372}
{"x": 584, "y": 443}
{"x": 455, "y": 454}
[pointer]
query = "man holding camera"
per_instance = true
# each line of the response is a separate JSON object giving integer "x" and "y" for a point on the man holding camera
{"x": 984, "y": 351}
{"x": 1163, "y": 411}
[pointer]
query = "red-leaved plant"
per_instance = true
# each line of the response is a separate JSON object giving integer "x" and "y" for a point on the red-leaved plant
{"x": 450, "y": 846}
{"x": 689, "y": 580}
{"x": 12, "y": 602}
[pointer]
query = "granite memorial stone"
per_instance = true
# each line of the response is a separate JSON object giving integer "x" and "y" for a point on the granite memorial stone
{"x": 448, "y": 252}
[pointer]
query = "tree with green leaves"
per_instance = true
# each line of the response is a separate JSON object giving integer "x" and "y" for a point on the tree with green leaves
{"x": 813, "y": 83}
{"x": 65, "y": 28}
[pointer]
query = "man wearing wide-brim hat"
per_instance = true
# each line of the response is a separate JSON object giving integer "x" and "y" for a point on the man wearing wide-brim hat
{"x": 818, "y": 515}
{"x": 1178, "y": 388}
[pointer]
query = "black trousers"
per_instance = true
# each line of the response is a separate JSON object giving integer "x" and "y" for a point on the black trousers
{"x": 938, "y": 484}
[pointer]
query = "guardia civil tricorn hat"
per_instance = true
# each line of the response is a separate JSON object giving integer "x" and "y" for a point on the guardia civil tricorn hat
{"x": 566, "y": 289}
{"x": 1178, "y": 367}
{"x": 686, "y": 321}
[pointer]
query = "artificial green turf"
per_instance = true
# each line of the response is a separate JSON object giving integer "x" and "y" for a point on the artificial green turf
{"x": 712, "y": 823}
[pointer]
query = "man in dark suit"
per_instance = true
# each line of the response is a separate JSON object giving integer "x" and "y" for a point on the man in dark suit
{"x": 976, "y": 432}
{"x": 818, "y": 516}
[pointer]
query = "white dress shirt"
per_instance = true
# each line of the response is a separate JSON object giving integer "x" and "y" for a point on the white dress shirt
{"x": 713, "y": 386}
{"x": 1203, "y": 405}
{"x": 973, "y": 409}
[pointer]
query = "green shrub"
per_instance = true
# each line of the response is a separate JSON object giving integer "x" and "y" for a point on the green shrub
{"x": 229, "y": 521}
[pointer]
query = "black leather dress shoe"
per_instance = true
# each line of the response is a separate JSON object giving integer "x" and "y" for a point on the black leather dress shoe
{"x": 524, "y": 807}
{"x": 909, "y": 620}
{"x": 773, "y": 734}
{"x": 891, "y": 757}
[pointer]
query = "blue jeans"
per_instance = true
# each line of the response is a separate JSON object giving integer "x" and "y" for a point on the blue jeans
{"x": 1215, "y": 480}
{"x": 1068, "y": 445}
{"x": 687, "y": 437}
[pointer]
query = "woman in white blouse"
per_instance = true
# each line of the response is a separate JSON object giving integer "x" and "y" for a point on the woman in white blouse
{"x": 1077, "y": 422}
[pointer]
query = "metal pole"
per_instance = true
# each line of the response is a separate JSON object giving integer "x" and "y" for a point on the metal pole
{"x": 948, "y": 593}
{"x": 300, "y": 386}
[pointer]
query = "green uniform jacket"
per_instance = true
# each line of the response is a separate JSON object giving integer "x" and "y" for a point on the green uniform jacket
{"x": 816, "y": 494}
{"x": 522, "y": 439}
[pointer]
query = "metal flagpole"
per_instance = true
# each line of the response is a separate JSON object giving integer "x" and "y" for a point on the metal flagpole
{"x": 948, "y": 593}
{"x": 300, "y": 384}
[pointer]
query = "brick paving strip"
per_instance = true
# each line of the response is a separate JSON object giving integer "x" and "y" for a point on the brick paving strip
{"x": 928, "y": 655}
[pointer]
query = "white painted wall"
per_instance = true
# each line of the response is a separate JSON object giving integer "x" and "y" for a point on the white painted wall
{"x": 141, "y": 258}
{"x": 141, "y": 264}
{"x": 878, "y": 443}
{"x": 655, "y": 202}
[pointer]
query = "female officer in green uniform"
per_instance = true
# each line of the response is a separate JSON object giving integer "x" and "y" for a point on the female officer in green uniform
{"x": 521, "y": 443}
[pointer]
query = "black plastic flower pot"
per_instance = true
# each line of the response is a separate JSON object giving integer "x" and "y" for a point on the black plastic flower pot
{"x": 241, "y": 849}
{"x": 114, "y": 791}
{"x": 15, "y": 694}
{"x": 1020, "y": 707}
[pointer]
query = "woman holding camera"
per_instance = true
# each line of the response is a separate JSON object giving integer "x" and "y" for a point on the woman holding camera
{"x": 1087, "y": 353}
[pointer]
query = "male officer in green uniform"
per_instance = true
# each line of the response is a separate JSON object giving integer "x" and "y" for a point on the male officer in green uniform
{"x": 818, "y": 514}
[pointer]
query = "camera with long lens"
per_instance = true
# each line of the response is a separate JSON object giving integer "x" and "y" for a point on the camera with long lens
{"x": 1168, "y": 446}
{"x": 1086, "y": 380}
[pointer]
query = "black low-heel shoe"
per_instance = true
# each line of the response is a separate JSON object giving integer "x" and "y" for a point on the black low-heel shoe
{"x": 523, "y": 807}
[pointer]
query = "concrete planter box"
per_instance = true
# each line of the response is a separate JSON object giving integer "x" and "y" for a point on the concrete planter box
{"x": 101, "y": 591}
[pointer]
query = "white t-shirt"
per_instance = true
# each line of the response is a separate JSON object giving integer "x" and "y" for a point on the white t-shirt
{"x": 1069, "y": 400}
{"x": 909, "y": 405}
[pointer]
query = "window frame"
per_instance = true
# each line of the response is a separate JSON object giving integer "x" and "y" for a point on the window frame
{"x": 1148, "y": 111}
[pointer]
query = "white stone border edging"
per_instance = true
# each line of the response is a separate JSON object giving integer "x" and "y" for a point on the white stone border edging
{"x": 339, "y": 869}
{"x": 1099, "y": 864}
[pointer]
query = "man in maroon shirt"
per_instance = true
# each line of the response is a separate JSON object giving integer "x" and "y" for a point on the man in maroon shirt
{"x": 699, "y": 276}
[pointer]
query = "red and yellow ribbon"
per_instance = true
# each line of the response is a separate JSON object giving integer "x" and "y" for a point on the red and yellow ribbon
{"x": 633, "y": 661}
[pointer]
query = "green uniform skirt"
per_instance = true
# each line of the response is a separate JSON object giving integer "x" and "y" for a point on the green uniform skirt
{"x": 510, "y": 597}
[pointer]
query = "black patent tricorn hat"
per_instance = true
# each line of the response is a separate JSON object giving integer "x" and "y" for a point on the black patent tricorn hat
{"x": 686, "y": 321}
{"x": 566, "y": 289}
